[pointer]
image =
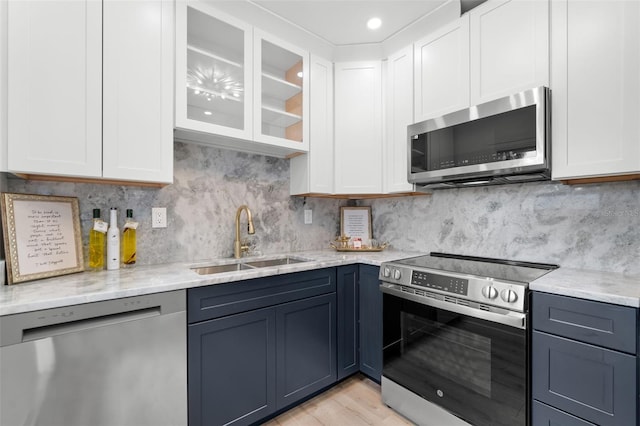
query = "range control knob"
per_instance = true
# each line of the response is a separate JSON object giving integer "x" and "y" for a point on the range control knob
{"x": 397, "y": 274}
{"x": 489, "y": 292}
{"x": 386, "y": 272}
{"x": 509, "y": 296}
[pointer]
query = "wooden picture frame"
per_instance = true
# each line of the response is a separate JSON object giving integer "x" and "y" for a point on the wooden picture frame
{"x": 42, "y": 236}
{"x": 355, "y": 222}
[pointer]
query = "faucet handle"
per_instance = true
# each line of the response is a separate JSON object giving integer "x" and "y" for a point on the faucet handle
{"x": 246, "y": 246}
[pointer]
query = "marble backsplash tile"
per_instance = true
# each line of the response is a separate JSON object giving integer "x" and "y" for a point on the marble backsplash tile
{"x": 593, "y": 226}
{"x": 209, "y": 185}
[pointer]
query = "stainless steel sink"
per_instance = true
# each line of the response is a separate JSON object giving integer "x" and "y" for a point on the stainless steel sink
{"x": 287, "y": 260}
{"x": 244, "y": 265}
{"x": 219, "y": 269}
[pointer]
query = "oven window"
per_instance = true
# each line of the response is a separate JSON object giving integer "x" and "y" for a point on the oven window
{"x": 473, "y": 368}
{"x": 507, "y": 136}
{"x": 463, "y": 356}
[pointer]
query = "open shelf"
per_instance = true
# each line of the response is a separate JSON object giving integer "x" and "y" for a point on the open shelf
{"x": 279, "y": 118}
{"x": 278, "y": 88}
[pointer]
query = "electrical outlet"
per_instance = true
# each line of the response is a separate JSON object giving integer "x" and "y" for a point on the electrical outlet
{"x": 308, "y": 216}
{"x": 158, "y": 217}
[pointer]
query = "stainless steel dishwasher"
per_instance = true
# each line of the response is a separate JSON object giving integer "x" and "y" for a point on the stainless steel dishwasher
{"x": 113, "y": 363}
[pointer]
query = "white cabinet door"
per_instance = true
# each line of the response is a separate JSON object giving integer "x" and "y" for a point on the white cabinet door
{"x": 314, "y": 172}
{"x": 442, "y": 71}
{"x": 214, "y": 69}
{"x": 138, "y": 90}
{"x": 595, "y": 88}
{"x": 398, "y": 115}
{"x": 3, "y": 86}
{"x": 281, "y": 101}
{"x": 509, "y": 48}
{"x": 358, "y": 127}
{"x": 55, "y": 87}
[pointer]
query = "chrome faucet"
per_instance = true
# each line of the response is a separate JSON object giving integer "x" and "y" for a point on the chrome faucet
{"x": 238, "y": 247}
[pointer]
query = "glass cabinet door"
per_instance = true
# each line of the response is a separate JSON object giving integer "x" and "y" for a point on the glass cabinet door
{"x": 281, "y": 95}
{"x": 213, "y": 90}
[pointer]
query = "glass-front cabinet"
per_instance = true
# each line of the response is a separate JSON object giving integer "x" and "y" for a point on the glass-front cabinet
{"x": 213, "y": 72}
{"x": 237, "y": 87}
{"x": 281, "y": 84}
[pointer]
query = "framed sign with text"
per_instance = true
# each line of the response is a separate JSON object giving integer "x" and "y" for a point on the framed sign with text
{"x": 355, "y": 222}
{"x": 42, "y": 236}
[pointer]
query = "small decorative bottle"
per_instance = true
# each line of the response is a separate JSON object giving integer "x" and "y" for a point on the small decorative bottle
{"x": 96, "y": 242}
{"x": 113, "y": 241}
{"x": 129, "y": 240}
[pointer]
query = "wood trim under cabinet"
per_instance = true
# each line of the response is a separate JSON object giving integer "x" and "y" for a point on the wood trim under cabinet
{"x": 73, "y": 179}
{"x": 361, "y": 196}
{"x": 601, "y": 179}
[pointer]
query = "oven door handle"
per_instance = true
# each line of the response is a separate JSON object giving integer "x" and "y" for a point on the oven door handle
{"x": 511, "y": 318}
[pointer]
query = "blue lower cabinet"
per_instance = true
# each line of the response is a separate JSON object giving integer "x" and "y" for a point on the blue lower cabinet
{"x": 258, "y": 346}
{"x": 347, "y": 295}
{"x": 584, "y": 362}
{"x": 306, "y": 348}
{"x": 232, "y": 369}
{"x": 370, "y": 323}
{"x": 544, "y": 415}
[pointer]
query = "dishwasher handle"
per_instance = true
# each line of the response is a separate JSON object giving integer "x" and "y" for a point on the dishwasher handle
{"x": 87, "y": 324}
{"x": 29, "y": 326}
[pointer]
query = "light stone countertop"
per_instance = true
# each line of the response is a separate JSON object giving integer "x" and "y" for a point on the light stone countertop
{"x": 89, "y": 287}
{"x": 86, "y": 287}
{"x": 599, "y": 286}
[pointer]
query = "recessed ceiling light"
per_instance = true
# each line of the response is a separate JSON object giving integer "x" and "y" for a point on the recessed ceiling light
{"x": 207, "y": 113}
{"x": 374, "y": 23}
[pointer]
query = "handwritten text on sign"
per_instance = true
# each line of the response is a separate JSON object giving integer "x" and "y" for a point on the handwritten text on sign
{"x": 46, "y": 240}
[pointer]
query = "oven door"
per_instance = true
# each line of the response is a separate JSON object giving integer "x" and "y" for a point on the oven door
{"x": 473, "y": 368}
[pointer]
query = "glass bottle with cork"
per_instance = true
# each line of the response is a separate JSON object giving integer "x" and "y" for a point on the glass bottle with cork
{"x": 129, "y": 240}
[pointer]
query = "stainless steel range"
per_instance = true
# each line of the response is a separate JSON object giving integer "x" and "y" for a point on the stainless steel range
{"x": 456, "y": 339}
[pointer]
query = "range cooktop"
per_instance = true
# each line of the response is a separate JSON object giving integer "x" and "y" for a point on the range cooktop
{"x": 494, "y": 282}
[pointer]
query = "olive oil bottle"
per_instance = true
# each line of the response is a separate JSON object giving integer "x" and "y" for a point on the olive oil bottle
{"x": 129, "y": 240}
{"x": 96, "y": 242}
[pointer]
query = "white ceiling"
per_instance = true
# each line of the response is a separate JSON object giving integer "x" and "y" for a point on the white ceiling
{"x": 343, "y": 22}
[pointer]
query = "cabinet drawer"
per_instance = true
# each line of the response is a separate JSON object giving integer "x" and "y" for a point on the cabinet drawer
{"x": 225, "y": 299}
{"x": 602, "y": 324}
{"x": 596, "y": 384}
{"x": 543, "y": 415}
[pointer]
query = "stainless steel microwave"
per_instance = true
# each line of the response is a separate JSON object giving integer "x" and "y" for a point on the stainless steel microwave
{"x": 502, "y": 141}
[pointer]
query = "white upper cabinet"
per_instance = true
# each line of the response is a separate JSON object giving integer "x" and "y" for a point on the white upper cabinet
{"x": 595, "y": 83}
{"x": 214, "y": 83}
{"x": 509, "y": 48}
{"x": 237, "y": 87}
{"x": 3, "y": 86}
{"x": 358, "y": 127}
{"x": 137, "y": 119}
{"x": 398, "y": 115}
{"x": 442, "y": 71}
{"x": 314, "y": 172}
{"x": 59, "y": 122}
{"x": 281, "y": 98}
{"x": 55, "y": 87}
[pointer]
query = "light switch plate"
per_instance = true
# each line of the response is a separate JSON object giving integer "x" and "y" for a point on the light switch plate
{"x": 308, "y": 216}
{"x": 158, "y": 217}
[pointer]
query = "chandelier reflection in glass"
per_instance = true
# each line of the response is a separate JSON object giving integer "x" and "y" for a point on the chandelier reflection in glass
{"x": 210, "y": 84}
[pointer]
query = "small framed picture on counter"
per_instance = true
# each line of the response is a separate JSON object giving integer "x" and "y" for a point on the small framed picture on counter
{"x": 355, "y": 222}
{"x": 42, "y": 236}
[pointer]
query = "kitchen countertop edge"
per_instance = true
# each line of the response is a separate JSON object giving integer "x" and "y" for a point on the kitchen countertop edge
{"x": 598, "y": 286}
{"x": 88, "y": 287}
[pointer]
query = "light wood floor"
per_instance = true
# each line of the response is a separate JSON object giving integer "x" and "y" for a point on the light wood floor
{"x": 356, "y": 401}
